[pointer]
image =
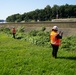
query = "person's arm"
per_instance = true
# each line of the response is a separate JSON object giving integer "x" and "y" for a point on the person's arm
{"x": 59, "y": 36}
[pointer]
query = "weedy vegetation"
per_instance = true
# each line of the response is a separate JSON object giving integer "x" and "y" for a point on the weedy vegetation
{"x": 30, "y": 54}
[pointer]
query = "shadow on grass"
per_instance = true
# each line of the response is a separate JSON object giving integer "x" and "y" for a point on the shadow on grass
{"x": 69, "y": 58}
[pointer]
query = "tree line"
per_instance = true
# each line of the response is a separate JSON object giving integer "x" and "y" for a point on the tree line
{"x": 46, "y": 14}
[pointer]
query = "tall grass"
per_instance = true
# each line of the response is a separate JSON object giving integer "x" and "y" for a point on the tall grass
{"x": 20, "y": 57}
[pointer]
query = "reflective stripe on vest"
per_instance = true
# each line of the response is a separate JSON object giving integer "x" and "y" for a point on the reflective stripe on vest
{"x": 53, "y": 38}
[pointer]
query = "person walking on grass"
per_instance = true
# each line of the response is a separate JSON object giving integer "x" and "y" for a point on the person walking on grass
{"x": 14, "y": 32}
{"x": 55, "y": 41}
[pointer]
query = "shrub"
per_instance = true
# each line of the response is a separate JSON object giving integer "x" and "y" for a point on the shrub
{"x": 5, "y": 30}
{"x": 68, "y": 43}
{"x": 43, "y": 29}
{"x": 41, "y": 33}
{"x": 19, "y": 36}
{"x": 20, "y": 29}
{"x": 33, "y": 33}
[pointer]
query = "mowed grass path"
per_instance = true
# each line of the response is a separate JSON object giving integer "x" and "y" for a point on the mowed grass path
{"x": 18, "y": 57}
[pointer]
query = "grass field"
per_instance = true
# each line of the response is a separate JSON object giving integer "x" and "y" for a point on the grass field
{"x": 18, "y": 57}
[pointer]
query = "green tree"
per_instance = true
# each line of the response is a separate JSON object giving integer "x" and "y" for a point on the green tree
{"x": 11, "y": 18}
{"x": 18, "y": 18}
{"x": 55, "y": 11}
{"x": 62, "y": 11}
{"x": 48, "y": 12}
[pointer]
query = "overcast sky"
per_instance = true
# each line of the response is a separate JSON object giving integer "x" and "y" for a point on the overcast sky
{"x": 10, "y": 7}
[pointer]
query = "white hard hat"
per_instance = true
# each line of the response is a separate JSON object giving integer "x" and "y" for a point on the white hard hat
{"x": 55, "y": 28}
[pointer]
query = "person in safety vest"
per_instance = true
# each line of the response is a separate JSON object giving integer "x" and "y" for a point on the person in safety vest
{"x": 55, "y": 41}
{"x": 14, "y": 32}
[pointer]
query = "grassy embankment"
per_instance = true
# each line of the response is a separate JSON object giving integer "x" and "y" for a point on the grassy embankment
{"x": 19, "y": 57}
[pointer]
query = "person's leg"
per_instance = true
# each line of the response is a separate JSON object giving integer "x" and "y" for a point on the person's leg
{"x": 56, "y": 50}
{"x": 13, "y": 35}
{"x": 53, "y": 51}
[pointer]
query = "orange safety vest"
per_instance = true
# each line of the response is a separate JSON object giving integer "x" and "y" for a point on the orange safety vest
{"x": 14, "y": 30}
{"x": 53, "y": 39}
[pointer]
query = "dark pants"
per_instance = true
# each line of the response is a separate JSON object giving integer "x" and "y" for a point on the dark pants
{"x": 13, "y": 35}
{"x": 55, "y": 50}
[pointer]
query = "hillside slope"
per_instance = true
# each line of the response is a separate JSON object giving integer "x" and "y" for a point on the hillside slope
{"x": 19, "y": 57}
